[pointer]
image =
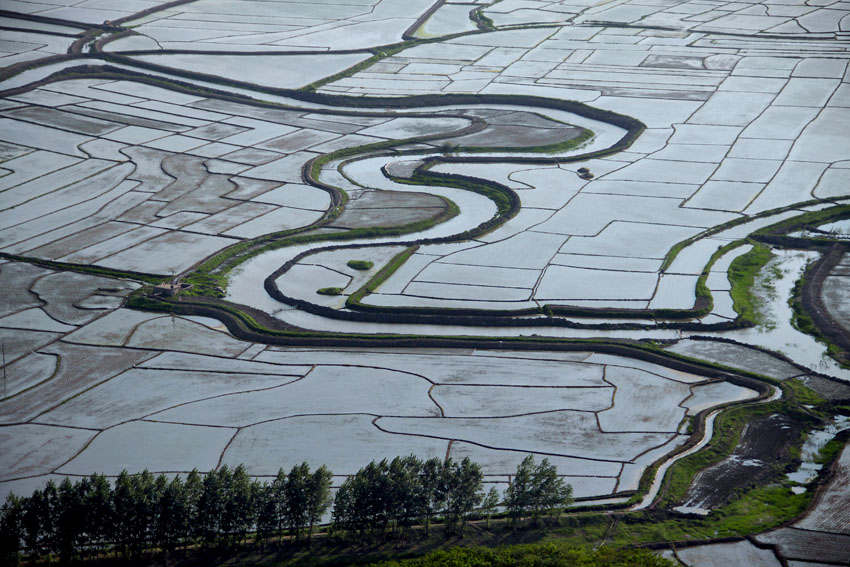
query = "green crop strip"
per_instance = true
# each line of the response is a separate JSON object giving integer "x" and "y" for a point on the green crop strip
{"x": 382, "y": 275}
{"x": 811, "y": 218}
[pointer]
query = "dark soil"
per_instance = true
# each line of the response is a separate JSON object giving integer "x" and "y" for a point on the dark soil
{"x": 805, "y": 545}
{"x": 822, "y": 308}
{"x": 827, "y": 389}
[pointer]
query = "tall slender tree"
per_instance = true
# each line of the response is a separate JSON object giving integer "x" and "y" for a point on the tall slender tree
{"x": 210, "y": 506}
{"x": 100, "y": 512}
{"x": 536, "y": 489}
{"x": 490, "y": 502}
{"x": 70, "y": 520}
{"x": 194, "y": 488}
{"x": 318, "y": 497}
{"x": 266, "y": 506}
{"x": 518, "y": 493}
{"x": 431, "y": 496}
{"x": 144, "y": 500}
{"x": 171, "y": 516}
{"x": 11, "y": 530}
{"x": 462, "y": 488}
{"x": 36, "y": 524}
{"x": 238, "y": 513}
{"x": 122, "y": 503}
{"x": 344, "y": 507}
{"x": 549, "y": 493}
{"x": 405, "y": 491}
{"x": 278, "y": 497}
{"x": 296, "y": 499}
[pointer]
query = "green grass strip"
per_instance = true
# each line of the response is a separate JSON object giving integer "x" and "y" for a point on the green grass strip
{"x": 811, "y": 218}
{"x": 92, "y": 270}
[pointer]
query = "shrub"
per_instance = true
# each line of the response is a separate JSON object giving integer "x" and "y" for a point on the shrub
{"x": 360, "y": 264}
{"x": 329, "y": 291}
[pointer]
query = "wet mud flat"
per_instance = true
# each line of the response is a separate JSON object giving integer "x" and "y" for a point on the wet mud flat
{"x": 764, "y": 442}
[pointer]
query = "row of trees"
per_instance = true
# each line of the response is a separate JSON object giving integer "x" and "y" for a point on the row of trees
{"x": 90, "y": 516}
{"x": 78, "y": 520}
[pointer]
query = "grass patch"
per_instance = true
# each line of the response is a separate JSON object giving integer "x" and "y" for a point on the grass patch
{"x": 830, "y": 451}
{"x": 546, "y": 554}
{"x": 754, "y": 511}
{"x": 362, "y": 265}
{"x": 329, "y": 290}
{"x": 800, "y": 393}
{"x": 742, "y": 275}
{"x": 760, "y": 509}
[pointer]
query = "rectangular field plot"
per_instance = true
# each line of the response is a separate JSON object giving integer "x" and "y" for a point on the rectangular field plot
{"x": 528, "y": 250}
{"x": 142, "y": 445}
{"x": 472, "y": 292}
{"x": 499, "y": 401}
{"x": 643, "y": 402}
{"x": 77, "y": 369}
{"x": 721, "y": 555}
{"x": 564, "y": 433}
{"x": 344, "y": 443}
{"x": 140, "y": 392}
{"x": 630, "y": 239}
{"x": 325, "y": 390}
{"x": 30, "y": 449}
{"x": 439, "y": 272}
{"x": 716, "y": 393}
{"x": 560, "y": 283}
{"x": 183, "y": 361}
{"x": 456, "y": 369}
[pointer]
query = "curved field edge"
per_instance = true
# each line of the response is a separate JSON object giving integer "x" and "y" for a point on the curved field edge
{"x": 741, "y": 277}
{"x": 811, "y": 315}
{"x": 204, "y": 273}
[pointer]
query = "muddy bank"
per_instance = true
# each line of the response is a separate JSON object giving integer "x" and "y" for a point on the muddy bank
{"x": 764, "y": 443}
{"x": 826, "y": 303}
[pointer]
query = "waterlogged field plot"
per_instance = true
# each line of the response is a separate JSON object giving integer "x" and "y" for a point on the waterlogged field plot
{"x": 283, "y": 25}
{"x": 746, "y": 114}
{"x": 107, "y": 395}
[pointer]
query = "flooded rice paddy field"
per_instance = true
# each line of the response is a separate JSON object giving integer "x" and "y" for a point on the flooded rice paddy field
{"x": 179, "y": 131}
